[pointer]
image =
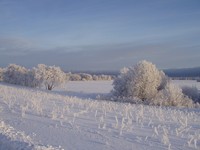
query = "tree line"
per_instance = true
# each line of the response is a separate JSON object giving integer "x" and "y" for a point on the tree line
{"x": 43, "y": 75}
{"x": 142, "y": 83}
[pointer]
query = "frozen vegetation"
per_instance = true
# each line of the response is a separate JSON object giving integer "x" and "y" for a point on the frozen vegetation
{"x": 144, "y": 83}
{"x": 40, "y": 76}
{"x": 38, "y": 119}
{"x": 90, "y": 114}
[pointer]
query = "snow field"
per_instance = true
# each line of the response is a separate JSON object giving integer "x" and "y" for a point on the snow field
{"x": 51, "y": 118}
{"x": 190, "y": 83}
{"x": 11, "y": 139}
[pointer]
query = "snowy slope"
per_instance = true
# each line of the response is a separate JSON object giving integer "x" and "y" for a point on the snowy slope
{"x": 37, "y": 119}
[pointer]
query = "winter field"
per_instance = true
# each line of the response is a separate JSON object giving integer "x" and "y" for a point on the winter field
{"x": 75, "y": 117}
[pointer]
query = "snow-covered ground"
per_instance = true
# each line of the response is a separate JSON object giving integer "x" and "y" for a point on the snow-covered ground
{"x": 190, "y": 83}
{"x": 72, "y": 118}
{"x": 85, "y": 89}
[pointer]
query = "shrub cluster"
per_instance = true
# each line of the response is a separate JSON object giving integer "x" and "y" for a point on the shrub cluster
{"x": 42, "y": 75}
{"x": 145, "y": 82}
{"x": 87, "y": 77}
{"x": 140, "y": 83}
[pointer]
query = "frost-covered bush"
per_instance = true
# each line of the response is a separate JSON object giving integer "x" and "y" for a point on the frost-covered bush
{"x": 75, "y": 77}
{"x": 172, "y": 95}
{"x": 141, "y": 81}
{"x": 146, "y": 82}
{"x": 191, "y": 92}
{"x": 49, "y": 76}
{"x": 85, "y": 77}
{"x": 164, "y": 81}
{"x": 95, "y": 77}
{"x": 121, "y": 84}
{"x": 15, "y": 74}
{"x": 104, "y": 77}
{"x": 31, "y": 80}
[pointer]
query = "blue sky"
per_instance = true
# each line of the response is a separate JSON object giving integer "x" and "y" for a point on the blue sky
{"x": 100, "y": 34}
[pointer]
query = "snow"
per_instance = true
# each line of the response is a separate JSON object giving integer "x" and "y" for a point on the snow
{"x": 190, "y": 83}
{"x": 72, "y": 118}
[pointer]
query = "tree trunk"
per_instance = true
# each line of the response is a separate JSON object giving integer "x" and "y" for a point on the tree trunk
{"x": 50, "y": 87}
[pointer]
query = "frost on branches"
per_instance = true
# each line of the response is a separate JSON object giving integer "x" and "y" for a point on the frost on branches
{"x": 49, "y": 76}
{"x": 42, "y": 75}
{"x": 15, "y": 74}
{"x": 172, "y": 95}
{"x": 146, "y": 82}
{"x": 142, "y": 81}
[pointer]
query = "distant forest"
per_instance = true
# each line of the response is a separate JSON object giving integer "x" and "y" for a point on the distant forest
{"x": 191, "y": 73}
{"x": 185, "y": 72}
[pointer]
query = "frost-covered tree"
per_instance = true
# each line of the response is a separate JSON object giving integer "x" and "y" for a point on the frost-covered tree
{"x": 75, "y": 77}
{"x": 105, "y": 77}
{"x": 15, "y": 74}
{"x": 146, "y": 79}
{"x": 146, "y": 82}
{"x": 141, "y": 81}
{"x": 85, "y": 77}
{"x": 31, "y": 81}
{"x": 95, "y": 77}
{"x": 49, "y": 76}
{"x": 102, "y": 77}
{"x": 121, "y": 83}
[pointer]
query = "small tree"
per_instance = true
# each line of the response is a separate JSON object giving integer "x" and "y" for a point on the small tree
{"x": 49, "y": 76}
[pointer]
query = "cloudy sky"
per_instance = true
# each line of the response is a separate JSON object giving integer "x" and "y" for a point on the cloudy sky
{"x": 100, "y": 34}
